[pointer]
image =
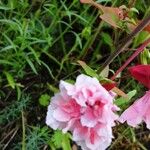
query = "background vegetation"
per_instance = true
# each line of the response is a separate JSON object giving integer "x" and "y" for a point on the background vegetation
{"x": 40, "y": 43}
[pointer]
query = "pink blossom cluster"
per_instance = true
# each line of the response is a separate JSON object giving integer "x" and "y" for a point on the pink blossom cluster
{"x": 85, "y": 109}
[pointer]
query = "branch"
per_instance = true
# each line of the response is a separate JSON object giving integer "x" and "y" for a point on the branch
{"x": 136, "y": 53}
{"x": 125, "y": 42}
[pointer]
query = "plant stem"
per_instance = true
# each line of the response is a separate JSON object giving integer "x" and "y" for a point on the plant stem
{"x": 125, "y": 43}
{"x": 136, "y": 53}
{"x": 23, "y": 132}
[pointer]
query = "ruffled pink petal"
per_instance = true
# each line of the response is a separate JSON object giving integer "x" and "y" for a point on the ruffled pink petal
{"x": 87, "y": 92}
{"x": 80, "y": 133}
{"x": 57, "y": 100}
{"x": 72, "y": 108}
{"x": 104, "y": 131}
{"x": 70, "y": 125}
{"x": 88, "y": 119}
{"x": 69, "y": 88}
{"x": 79, "y": 97}
{"x": 51, "y": 121}
{"x": 105, "y": 118}
{"x": 92, "y": 84}
{"x": 93, "y": 141}
{"x": 60, "y": 115}
{"x": 86, "y": 81}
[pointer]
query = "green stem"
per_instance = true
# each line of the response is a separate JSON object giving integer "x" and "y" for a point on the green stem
{"x": 23, "y": 132}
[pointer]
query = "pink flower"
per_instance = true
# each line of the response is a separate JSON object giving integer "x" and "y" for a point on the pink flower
{"x": 86, "y": 109}
{"x": 138, "y": 112}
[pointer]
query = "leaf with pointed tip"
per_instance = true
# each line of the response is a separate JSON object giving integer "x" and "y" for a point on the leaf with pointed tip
{"x": 121, "y": 101}
{"x": 105, "y": 72}
{"x": 111, "y": 15}
{"x": 10, "y": 80}
{"x": 89, "y": 71}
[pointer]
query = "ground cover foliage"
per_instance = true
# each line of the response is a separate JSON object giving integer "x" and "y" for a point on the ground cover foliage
{"x": 40, "y": 43}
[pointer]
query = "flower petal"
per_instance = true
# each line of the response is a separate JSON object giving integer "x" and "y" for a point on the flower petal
{"x": 142, "y": 74}
{"x": 66, "y": 89}
{"x": 137, "y": 112}
{"x": 60, "y": 115}
{"x": 88, "y": 119}
{"x": 80, "y": 133}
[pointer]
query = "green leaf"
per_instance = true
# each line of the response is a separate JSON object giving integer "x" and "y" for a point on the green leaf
{"x": 89, "y": 71}
{"x": 57, "y": 138}
{"x": 145, "y": 57}
{"x": 105, "y": 72}
{"x": 70, "y": 81}
{"x": 10, "y": 80}
{"x": 66, "y": 142}
{"x": 61, "y": 140}
{"x": 18, "y": 91}
{"x": 48, "y": 68}
{"x": 44, "y": 99}
{"x": 108, "y": 40}
{"x": 12, "y": 4}
{"x": 86, "y": 32}
{"x": 134, "y": 10}
{"x": 5, "y": 62}
{"x": 78, "y": 39}
{"x": 35, "y": 54}
{"x": 52, "y": 88}
{"x": 31, "y": 65}
{"x": 125, "y": 101}
{"x": 5, "y": 8}
{"x": 142, "y": 36}
{"x": 100, "y": 1}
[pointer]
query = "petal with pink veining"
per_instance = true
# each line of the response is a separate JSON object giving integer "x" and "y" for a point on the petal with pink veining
{"x": 88, "y": 119}
{"x": 137, "y": 111}
{"x": 60, "y": 115}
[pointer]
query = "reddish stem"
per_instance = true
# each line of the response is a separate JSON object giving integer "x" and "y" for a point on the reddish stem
{"x": 136, "y": 53}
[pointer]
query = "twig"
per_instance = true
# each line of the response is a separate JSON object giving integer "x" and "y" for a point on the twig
{"x": 10, "y": 139}
{"x": 125, "y": 43}
{"x": 7, "y": 135}
{"x": 74, "y": 147}
{"x": 136, "y": 53}
{"x": 45, "y": 147}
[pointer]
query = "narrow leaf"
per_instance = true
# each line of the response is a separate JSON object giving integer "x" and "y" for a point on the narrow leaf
{"x": 89, "y": 71}
{"x": 10, "y": 79}
{"x": 31, "y": 65}
{"x": 124, "y": 101}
